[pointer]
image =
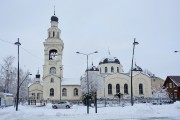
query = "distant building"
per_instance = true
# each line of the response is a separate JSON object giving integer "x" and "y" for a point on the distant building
{"x": 6, "y": 99}
{"x": 156, "y": 83}
{"x": 172, "y": 84}
{"x": 35, "y": 91}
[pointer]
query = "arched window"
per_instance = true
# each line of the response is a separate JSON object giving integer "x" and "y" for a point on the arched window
{"x": 52, "y": 70}
{"x": 64, "y": 92}
{"x": 109, "y": 88}
{"x": 52, "y": 54}
{"x": 51, "y": 92}
{"x": 106, "y": 70}
{"x": 112, "y": 69}
{"x": 140, "y": 89}
{"x": 117, "y": 88}
{"x": 75, "y": 92}
{"x": 125, "y": 88}
{"x": 53, "y": 34}
{"x": 52, "y": 80}
{"x": 117, "y": 69}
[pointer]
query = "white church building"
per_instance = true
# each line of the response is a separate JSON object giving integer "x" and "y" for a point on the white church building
{"x": 54, "y": 86}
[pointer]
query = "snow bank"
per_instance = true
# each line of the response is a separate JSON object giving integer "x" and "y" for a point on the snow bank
{"x": 138, "y": 111}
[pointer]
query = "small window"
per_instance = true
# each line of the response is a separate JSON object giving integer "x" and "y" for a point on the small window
{"x": 51, "y": 92}
{"x": 64, "y": 92}
{"x": 109, "y": 89}
{"x": 170, "y": 85}
{"x": 112, "y": 69}
{"x": 106, "y": 70}
{"x": 140, "y": 89}
{"x": 117, "y": 88}
{"x": 100, "y": 70}
{"x": 52, "y": 80}
{"x": 52, "y": 70}
{"x": 75, "y": 92}
{"x": 125, "y": 88}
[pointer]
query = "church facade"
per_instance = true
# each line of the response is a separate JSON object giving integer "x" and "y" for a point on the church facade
{"x": 54, "y": 86}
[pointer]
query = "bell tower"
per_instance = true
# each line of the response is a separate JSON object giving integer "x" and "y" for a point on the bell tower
{"x": 52, "y": 68}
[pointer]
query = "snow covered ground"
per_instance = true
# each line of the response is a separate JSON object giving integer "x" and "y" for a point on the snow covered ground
{"x": 77, "y": 112}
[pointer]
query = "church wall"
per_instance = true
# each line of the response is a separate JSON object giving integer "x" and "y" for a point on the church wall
{"x": 48, "y": 85}
{"x": 70, "y": 92}
{"x": 122, "y": 79}
{"x": 145, "y": 81}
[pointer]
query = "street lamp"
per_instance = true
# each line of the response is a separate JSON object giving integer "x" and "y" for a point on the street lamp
{"x": 17, "y": 100}
{"x": 134, "y": 43}
{"x": 176, "y": 51}
{"x": 22, "y": 83}
{"x": 24, "y": 79}
{"x": 87, "y": 78}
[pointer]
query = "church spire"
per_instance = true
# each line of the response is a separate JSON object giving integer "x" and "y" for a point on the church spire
{"x": 109, "y": 52}
{"x": 54, "y": 10}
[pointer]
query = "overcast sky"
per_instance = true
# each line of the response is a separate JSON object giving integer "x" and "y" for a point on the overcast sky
{"x": 90, "y": 25}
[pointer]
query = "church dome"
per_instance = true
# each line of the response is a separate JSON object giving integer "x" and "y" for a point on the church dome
{"x": 92, "y": 68}
{"x": 109, "y": 60}
{"x": 54, "y": 18}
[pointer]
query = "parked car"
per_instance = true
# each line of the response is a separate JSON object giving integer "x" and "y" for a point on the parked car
{"x": 62, "y": 104}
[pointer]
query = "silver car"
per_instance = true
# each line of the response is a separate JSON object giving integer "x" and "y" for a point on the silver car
{"x": 62, "y": 104}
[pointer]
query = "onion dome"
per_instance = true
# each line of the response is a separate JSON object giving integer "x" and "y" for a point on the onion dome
{"x": 38, "y": 75}
{"x": 54, "y": 18}
{"x": 109, "y": 60}
{"x": 92, "y": 68}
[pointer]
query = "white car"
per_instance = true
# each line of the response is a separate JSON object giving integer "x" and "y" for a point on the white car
{"x": 62, "y": 104}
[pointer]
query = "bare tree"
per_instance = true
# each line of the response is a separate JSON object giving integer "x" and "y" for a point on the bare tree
{"x": 8, "y": 78}
{"x": 147, "y": 72}
{"x": 6, "y": 70}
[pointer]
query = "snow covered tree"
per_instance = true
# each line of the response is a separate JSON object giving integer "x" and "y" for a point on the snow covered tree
{"x": 94, "y": 82}
{"x": 7, "y": 70}
{"x": 8, "y": 78}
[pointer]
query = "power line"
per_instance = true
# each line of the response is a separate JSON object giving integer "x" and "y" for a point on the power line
{"x": 22, "y": 48}
{"x": 6, "y": 41}
{"x": 30, "y": 53}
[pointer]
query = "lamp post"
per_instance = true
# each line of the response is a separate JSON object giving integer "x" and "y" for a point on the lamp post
{"x": 134, "y": 43}
{"x": 17, "y": 100}
{"x": 24, "y": 79}
{"x": 87, "y": 78}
